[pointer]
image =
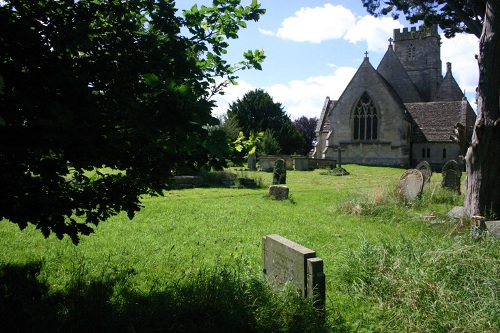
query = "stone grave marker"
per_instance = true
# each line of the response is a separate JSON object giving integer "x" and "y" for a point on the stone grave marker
{"x": 252, "y": 162}
{"x": 451, "y": 176}
{"x": 279, "y": 192}
{"x": 288, "y": 262}
{"x": 411, "y": 184}
{"x": 279, "y": 172}
{"x": 425, "y": 168}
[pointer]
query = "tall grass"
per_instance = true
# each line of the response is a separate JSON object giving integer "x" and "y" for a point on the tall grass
{"x": 191, "y": 262}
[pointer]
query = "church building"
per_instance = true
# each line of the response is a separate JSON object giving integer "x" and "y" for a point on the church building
{"x": 401, "y": 113}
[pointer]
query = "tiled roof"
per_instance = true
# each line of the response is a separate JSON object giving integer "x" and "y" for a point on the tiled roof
{"x": 435, "y": 120}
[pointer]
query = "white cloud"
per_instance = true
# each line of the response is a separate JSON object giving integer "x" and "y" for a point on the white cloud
{"x": 298, "y": 97}
{"x": 373, "y": 31}
{"x": 266, "y": 32}
{"x": 306, "y": 97}
{"x": 317, "y": 24}
{"x": 460, "y": 51}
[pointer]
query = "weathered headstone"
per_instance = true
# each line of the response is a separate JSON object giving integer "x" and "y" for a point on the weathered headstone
{"x": 279, "y": 192}
{"x": 252, "y": 162}
{"x": 288, "y": 262}
{"x": 425, "y": 168}
{"x": 279, "y": 172}
{"x": 411, "y": 184}
{"x": 451, "y": 176}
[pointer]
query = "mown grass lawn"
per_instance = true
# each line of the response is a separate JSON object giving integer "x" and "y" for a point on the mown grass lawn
{"x": 387, "y": 268}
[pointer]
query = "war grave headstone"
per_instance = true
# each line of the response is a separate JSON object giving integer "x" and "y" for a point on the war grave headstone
{"x": 279, "y": 172}
{"x": 425, "y": 168}
{"x": 451, "y": 176}
{"x": 287, "y": 262}
{"x": 411, "y": 184}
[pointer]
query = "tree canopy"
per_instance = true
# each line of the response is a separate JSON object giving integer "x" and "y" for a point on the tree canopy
{"x": 120, "y": 84}
{"x": 306, "y": 127}
{"x": 453, "y": 16}
{"x": 482, "y": 19}
{"x": 257, "y": 112}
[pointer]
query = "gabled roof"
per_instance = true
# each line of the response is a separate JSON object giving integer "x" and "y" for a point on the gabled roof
{"x": 393, "y": 71}
{"x": 448, "y": 90}
{"x": 365, "y": 69}
{"x": 435, "y": 120}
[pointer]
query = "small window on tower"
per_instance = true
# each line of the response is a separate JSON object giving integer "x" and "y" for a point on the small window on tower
{"x": 411, "y": 52}
{"x": 444, "y": 152}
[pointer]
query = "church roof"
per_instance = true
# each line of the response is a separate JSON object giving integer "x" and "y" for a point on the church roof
{"x": 435, "y": 120}
{"x": 448, "y": 90}
{"x": 394, "y": 73}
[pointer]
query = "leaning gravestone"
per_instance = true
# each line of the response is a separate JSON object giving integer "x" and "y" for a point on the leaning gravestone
{"x": 411, "y": 184}
{"x": 279, "y": 172}
{"x": 451, "y": 176}
{"x": 288, "y": 262}
{"x": 425, "y": 168}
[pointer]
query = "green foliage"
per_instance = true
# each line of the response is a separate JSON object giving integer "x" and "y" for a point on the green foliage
{"x": 94, "y": 83}
{"x": 248, "y": 145}
{"x": 456, "y": 16}
{"x": 270, "y": 145}
{"x": 257, "y": 112}
{"x": 307, "y": 128}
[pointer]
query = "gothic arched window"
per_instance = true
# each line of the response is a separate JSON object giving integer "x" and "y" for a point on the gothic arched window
{"x": 365, "y": 124}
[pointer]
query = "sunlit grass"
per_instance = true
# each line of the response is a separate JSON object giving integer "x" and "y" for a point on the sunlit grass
{"x": 380, "y": 254}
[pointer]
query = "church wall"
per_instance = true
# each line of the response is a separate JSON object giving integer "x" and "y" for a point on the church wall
{"x": 391, "y": 145}
{"x": 435, "y": 149}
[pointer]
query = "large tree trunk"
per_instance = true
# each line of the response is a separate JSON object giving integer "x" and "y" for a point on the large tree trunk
{"x": 482, "y": 195}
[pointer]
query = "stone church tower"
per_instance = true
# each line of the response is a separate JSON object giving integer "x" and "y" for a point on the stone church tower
{"x": 401, "y": 113}
{"x": 419, "y": 53}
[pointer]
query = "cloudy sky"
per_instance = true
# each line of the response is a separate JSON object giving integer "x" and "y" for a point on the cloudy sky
{"x": 313, "y": 49}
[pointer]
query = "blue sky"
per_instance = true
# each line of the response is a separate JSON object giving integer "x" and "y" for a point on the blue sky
{"x": 313, "y": 49}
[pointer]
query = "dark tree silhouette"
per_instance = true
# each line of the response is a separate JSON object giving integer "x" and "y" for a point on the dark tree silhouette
{"x": 307, "y": 127}
{"x": 89, "y": 83}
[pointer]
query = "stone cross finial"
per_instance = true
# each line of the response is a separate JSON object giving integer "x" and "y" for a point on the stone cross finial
{"x": 390, "y": 42}
{"x": 366, "y": 54}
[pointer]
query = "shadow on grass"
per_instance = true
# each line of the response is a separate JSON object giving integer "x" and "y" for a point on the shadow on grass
{"x": 219, "y": 301}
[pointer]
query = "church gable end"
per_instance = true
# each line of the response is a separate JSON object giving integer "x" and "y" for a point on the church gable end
{"x": 400, "y": 113}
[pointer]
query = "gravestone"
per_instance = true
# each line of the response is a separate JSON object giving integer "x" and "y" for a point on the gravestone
{"x": 411, "y": 184}
{"x": 252, "y": 162}
{"x": 451, "y": 176}
{"x": 279, "y": 172}
{"x": 279, "y": 192}
{"x": 288, "y": 262}
{"x": 425, "y": 168}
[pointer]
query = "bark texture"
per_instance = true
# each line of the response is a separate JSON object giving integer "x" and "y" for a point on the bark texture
{"x": 482, "y": 194}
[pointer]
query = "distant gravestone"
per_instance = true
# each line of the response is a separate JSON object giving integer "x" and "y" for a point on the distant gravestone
{"x": 287, "y": 262}
{"x": 279, "y": 172}
{"x": 411, "y": 184}
{"x": 279, "y": 192}
{"x": 425, "y": 168}
{"x": 451, "y": 176}
{"x": 252, "y": 162}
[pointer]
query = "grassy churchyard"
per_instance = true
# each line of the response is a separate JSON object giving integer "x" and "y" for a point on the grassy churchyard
{"x": 191, "y": 261}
